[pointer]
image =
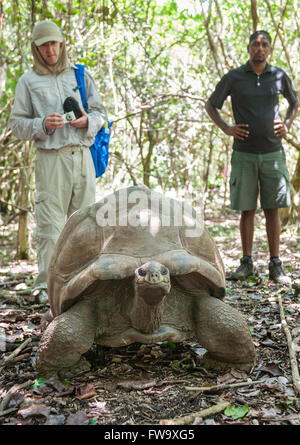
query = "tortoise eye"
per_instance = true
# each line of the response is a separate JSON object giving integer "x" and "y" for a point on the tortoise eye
{"x": 142, "y": 272}
{"x": 164, "y": 272}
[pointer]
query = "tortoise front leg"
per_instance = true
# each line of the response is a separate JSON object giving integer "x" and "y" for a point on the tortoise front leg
{"x": 223, "y": 332}
{"x": 66, "y": 338}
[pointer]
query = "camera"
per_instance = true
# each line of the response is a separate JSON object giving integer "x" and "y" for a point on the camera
{"x": 68, "y": 117}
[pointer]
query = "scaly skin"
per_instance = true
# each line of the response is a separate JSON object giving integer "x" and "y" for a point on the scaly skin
{"x": 223, "y": 332}
{"x": 66, "y": 338}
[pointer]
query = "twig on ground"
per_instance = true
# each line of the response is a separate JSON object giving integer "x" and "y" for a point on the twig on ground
{"x": 15, "y": 360}
{"x": 282, "y": 419}
{"x": 7, "y": 411}
{"x": 291, "y": 347}
{"x": 220, "y": 387}
{"x": 189, "y": 419}
{"x": 17, "y": 351}
{"x": 11, "y": 391}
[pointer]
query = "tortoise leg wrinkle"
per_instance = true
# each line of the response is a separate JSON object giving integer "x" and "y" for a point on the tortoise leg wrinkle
{"x": 223, "y": 331}
{"x": 66, "y": 338}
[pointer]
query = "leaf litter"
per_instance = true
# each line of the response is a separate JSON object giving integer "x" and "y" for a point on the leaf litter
{"x": 143, "y": 384}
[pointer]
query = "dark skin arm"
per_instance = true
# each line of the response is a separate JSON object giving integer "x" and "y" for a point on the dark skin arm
{"x": 238, "y": 131}
{"x": 281, "y": 128}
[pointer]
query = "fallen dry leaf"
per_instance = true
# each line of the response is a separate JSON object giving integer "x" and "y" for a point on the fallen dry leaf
{"x": 35, "y": 410}
{"x": 79, "y": 418}
{"x": 226, "y": 378}
{"x": 272, "y": 369}
{"x": 98, "y": 407}
{"x": 269, "y": 413}
{"x": 272, "y": 387}
{"x": 239, "y": 374}
{"x": 55, "y": 420}
{"x": 56, "y": 384}
{"x": 16, "y": 399}
{"x": 86, "y": 392}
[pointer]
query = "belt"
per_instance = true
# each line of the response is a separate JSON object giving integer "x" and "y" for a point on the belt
{"x": 72, "y": 149}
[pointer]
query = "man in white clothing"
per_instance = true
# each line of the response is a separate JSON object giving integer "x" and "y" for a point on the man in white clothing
{"x": 64, "y": 170}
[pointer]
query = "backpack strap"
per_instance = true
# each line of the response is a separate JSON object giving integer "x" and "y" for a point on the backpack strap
{"x": 79, "y": 73}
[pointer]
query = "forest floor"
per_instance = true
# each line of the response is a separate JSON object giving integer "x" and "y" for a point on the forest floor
{"x": 155, "y": 385}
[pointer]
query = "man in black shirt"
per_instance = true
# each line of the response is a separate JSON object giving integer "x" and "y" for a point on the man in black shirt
{"x": 258, "y": 159}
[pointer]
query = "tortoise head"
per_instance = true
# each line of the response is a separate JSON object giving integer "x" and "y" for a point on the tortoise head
{"x": 152, "y": 284}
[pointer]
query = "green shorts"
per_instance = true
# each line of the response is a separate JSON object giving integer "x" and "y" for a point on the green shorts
{"x": 259, "y": 174}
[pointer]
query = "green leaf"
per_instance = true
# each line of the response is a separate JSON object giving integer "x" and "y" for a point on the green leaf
{"x": 175, "y": 364}
{"x": 19, "y": 339}
{"x": 92, "y": 422}
{"x": 38, "y": 382}
{"x": 168, "y": 344}
{"x": 236, "y": 412}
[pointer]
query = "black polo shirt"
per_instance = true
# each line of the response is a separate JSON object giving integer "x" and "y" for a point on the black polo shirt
{"x": 254, "y": 100}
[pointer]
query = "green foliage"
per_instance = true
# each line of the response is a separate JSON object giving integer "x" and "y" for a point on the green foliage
{"x": 155, "y": 64}
{"x": 236, "y": 412}
{"x": 38, "y": 383}
{"x": 168, "y": 345}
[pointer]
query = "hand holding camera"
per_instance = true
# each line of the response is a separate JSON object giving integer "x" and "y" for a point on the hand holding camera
{"x": 53, "y": 121}
{"x": 74, "y": 115}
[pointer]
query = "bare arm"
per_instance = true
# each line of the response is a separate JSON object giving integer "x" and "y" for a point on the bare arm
{"x": 281, "y": 128}
{"x": 238, "y": 131}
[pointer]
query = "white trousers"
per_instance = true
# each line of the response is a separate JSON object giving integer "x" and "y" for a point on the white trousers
{"x": 65, "y": 182}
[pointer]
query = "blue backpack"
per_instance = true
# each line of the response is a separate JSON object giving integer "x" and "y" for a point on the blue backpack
{"x": 99, "y": 149}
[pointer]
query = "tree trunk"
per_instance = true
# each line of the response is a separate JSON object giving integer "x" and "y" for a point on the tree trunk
{"x": 22, "y": 247}
{"x": 26, "y": 156}
{"x": 208, "y": 166}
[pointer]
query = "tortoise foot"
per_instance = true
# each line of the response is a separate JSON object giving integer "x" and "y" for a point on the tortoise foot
{"x": 223, "y": 331}
{"x": 79, "y": 368}
{"x": 209, "y": 362}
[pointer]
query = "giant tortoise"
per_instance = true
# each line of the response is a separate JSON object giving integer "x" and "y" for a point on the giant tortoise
{"x": 138, "y": 267}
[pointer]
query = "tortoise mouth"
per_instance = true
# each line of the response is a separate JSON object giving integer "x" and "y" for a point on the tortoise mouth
{"x": 150, "y": 283}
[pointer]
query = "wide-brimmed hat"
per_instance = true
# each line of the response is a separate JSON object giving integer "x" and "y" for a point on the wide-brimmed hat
{"x": 46, "y": 31}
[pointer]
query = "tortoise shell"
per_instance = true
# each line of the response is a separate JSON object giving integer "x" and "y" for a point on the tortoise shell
{"x": 110, "y": 239}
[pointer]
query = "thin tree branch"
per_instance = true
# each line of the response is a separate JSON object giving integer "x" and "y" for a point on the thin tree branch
{"x": 279, "y": 33}
{"x": 254, "y": 14}
{"x": 291, "y": 347}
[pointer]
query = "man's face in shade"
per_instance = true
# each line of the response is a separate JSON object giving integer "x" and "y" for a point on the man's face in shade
{"x": 259, "y": 49}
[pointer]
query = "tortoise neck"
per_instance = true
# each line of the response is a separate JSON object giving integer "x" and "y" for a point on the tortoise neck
{"x": 144, "y": 317}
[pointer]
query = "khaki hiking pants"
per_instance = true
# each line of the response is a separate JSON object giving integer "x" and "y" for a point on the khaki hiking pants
{"x": 65, "y": 182}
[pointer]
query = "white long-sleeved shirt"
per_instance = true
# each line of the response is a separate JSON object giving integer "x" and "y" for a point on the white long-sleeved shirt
{"x": 39, "y": 95}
